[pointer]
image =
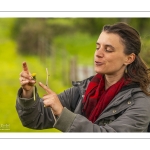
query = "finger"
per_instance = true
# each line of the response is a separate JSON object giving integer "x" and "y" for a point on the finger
{"x": 49, "y": 96}
{"x": 25, "y": 67}
{"x": 49, "y": 91}
{"x": 46, "y": 103}
{"x": 24, "y": 82}
{"x": 25, "y": 75}
{"x": 21, "y": 79}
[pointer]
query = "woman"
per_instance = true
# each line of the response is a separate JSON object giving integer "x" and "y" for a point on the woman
{"x": 116, "y": 99}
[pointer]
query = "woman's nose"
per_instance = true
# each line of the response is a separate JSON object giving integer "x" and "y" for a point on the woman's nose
{"x": 99, "y": 52}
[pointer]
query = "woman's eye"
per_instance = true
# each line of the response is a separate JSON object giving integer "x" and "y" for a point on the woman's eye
{"x": 97, "y": 47}
{"x": 108, "y": 50}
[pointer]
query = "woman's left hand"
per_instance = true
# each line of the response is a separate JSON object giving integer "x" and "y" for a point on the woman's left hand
{"x": 51, "y": 100}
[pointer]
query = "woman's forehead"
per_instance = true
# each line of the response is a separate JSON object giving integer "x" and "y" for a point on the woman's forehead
{"x": 109, "y": 38}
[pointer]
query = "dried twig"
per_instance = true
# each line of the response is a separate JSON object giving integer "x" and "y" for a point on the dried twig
{"x": 47, "y": 75}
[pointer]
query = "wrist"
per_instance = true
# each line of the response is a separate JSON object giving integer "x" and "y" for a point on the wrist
{"x": 27, "y": 94}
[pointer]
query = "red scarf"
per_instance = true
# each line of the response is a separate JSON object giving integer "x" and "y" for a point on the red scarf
{"x": 97, "y": 98}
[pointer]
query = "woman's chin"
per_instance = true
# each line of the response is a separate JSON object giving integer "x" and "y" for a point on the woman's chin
{"x": 99, "y": 71}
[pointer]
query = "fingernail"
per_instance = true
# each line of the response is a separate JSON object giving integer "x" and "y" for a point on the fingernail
{"x": 40, "y": 83}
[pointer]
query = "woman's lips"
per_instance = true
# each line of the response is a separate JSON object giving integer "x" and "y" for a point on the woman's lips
{"x": 98, "y": 63}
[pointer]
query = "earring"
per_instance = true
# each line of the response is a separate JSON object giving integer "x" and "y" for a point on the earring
{"x": 126, "y": 71}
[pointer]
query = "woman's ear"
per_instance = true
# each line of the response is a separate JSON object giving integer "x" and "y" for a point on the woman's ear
{"x": 130, "y": 59}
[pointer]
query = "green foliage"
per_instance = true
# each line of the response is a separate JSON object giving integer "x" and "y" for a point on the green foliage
{"x": 80, "y": 45}
{"x": 93, "y": 25}
{"x": 42, "y": 31}
{"x": 6, "y": 25}
{"x": 61, "y": 26}
{"x": 34, "y": 38}
{"x": 145, "y": 53}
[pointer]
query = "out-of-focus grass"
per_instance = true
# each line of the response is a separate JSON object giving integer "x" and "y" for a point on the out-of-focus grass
{"x": 11, "y": 66}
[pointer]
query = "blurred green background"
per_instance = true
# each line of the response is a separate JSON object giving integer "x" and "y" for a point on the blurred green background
{"x": 63, "y": 45}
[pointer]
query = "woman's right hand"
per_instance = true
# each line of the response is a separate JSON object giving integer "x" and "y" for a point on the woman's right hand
{"x": 26, "y": 81}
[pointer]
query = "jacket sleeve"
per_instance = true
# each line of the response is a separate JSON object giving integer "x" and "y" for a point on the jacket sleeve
{"x": 32, "y": 113}
{"x": 134, "y": 119}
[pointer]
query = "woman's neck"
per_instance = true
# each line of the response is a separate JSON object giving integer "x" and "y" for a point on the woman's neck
{"x": 111, "y": 79}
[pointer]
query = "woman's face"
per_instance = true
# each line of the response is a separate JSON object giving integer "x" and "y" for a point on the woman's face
{"x": 109, "y": 56}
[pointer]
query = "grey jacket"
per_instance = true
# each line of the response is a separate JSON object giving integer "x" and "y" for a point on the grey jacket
{"x": 129, "y": 111}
